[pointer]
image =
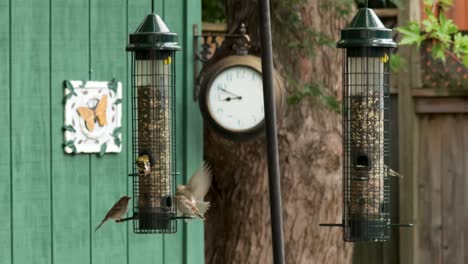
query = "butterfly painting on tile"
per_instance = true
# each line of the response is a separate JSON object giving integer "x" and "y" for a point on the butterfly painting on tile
{"x": 93, "y": 117}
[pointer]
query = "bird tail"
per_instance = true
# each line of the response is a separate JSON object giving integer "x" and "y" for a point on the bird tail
{"x": 103, "y": 221}
{"x": 203, "y": 208}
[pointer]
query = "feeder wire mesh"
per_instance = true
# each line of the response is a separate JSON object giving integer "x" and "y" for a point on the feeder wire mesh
{"x": 153, "y": 127}
{"x": 366, "y": 192}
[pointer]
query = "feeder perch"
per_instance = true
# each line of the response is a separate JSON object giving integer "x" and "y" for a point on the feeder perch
{"x": 153, "y": 49}
{"x": 366, "y": 85}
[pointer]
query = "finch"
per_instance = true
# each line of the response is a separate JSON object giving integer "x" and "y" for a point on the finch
{"x": 117, "y": 211}
{"x": 189, "y": 197}
{"x": 143, "y": 165}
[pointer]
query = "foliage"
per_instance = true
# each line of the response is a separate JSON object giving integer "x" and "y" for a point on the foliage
{"x": 213, "y": 11}
{"x": 301, "y": 41}
{"x": 448, "y": 41}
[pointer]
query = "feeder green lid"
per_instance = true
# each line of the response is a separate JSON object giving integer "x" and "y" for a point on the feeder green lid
{"x": 366, "y": 30}
{"x": 153, "y": 34}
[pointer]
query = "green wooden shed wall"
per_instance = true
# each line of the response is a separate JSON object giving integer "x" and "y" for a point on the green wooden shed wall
{"x": 50, "y": 202}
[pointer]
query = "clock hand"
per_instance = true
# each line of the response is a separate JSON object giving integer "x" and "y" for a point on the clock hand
{"x": 226, "y": 91}
{"x": 233, "y": 98}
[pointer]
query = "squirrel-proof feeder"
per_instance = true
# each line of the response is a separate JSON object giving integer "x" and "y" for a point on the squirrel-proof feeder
{"x": 366, "y": 99}
{"x": 365, "y": 107}
{"x": 153, "y": 49}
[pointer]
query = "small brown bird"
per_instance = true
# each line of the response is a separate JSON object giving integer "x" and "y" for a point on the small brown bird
{"x": 189, "y": 197}
{"x": 117, "y": 211}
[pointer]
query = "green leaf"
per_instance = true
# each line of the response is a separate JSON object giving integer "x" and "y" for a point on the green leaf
{"x": 465, "y": 60}
{"x": 103, "y": 149}
{"x": 294, "y": 98}
{"x": 332, "y": 103}
{"x": 438, "y": 51}
{"x": 66, "y": 97}
{"x": 83, "y": 84}
{"x": 397, "y": 62}
{"x": 447, "y": 25}
{"x": 411, "y": 34}
{"x": 118, "y": 101}
{"x": 69, "y": 143}
{"x": 460, "y": 44}
{"x": 73, "y": 148}
{"x": 445, "y": 4}
{"x": 428, "y": 2}
{"x": 70, "y": 87}
{"x": 117, "y": 131}
{"x": 117, "y": 141}
{"x": 430, "y": 23}
{"x": 69, "y": 128}
{"x": 113, "y": 85}
{"x": 312, "y": 90}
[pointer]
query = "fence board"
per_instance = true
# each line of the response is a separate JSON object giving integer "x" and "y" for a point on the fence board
{"x": 452, "y": 192}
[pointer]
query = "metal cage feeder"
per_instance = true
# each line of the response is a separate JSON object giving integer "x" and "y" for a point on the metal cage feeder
{"x": 153, "y": 49}
{"x": 366, "y": 114}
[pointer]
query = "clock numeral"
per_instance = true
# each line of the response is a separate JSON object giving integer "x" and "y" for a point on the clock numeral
{"x": 229, "y": 76}
{"x": 240, "y": 73}
{"x": 221, "y": 86}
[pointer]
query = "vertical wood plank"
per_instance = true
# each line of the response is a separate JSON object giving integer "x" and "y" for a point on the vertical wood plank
{"x": 430, "y": 219}
{"x": 31, "y": 151}
{"x": 5, "y": 192}
{"x": 173, "y": 15}
{"x": 465, "y": 184}
{"x": 434, "y": 163}
{"x": 409, "y": 133}
{"x": 142, "y": 248}
{"x": 109, "y": 172}
{"x": 424, "y": 195}
{"x": 452, "y": 193}
{"x": 194, "y": 237}
{"x": 70, "y": 174}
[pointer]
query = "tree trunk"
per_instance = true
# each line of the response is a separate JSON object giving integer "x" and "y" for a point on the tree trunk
{"x": 238, "y": 223}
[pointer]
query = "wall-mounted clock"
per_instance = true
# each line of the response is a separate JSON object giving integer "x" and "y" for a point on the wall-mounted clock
{"x": 231, "y": 97}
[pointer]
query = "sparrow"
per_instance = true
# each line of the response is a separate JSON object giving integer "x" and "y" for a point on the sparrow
{"x": 143, "y": 165}
{"x": 117, "y": 211}
{"x": 189, "y": 198}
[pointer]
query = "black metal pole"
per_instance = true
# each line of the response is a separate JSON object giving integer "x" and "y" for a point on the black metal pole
{"x": 272, "y": 141}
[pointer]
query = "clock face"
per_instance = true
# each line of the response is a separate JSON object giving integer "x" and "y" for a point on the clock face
{"x": 235, "y": 99}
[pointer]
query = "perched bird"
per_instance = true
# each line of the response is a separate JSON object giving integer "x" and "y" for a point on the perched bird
{"x": 393, "y": 173}
{"x": 117, "y": 211}
{"x": 189, "y": 197}
{"x": 143, "y": 165}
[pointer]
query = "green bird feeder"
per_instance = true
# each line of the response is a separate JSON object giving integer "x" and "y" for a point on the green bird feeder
{"x": 366, "y": 100}
{"x": 366, "y": 142}
{"x": 153, "y": 48}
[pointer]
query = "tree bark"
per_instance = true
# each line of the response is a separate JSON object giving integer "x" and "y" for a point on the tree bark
{"x": 238, "y": 223}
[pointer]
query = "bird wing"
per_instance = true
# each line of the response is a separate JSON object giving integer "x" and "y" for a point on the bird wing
{"x": 200, "y": 182}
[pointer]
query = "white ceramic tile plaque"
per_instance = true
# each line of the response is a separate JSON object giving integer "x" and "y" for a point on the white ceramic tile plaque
{"x": 93, "y": 117}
